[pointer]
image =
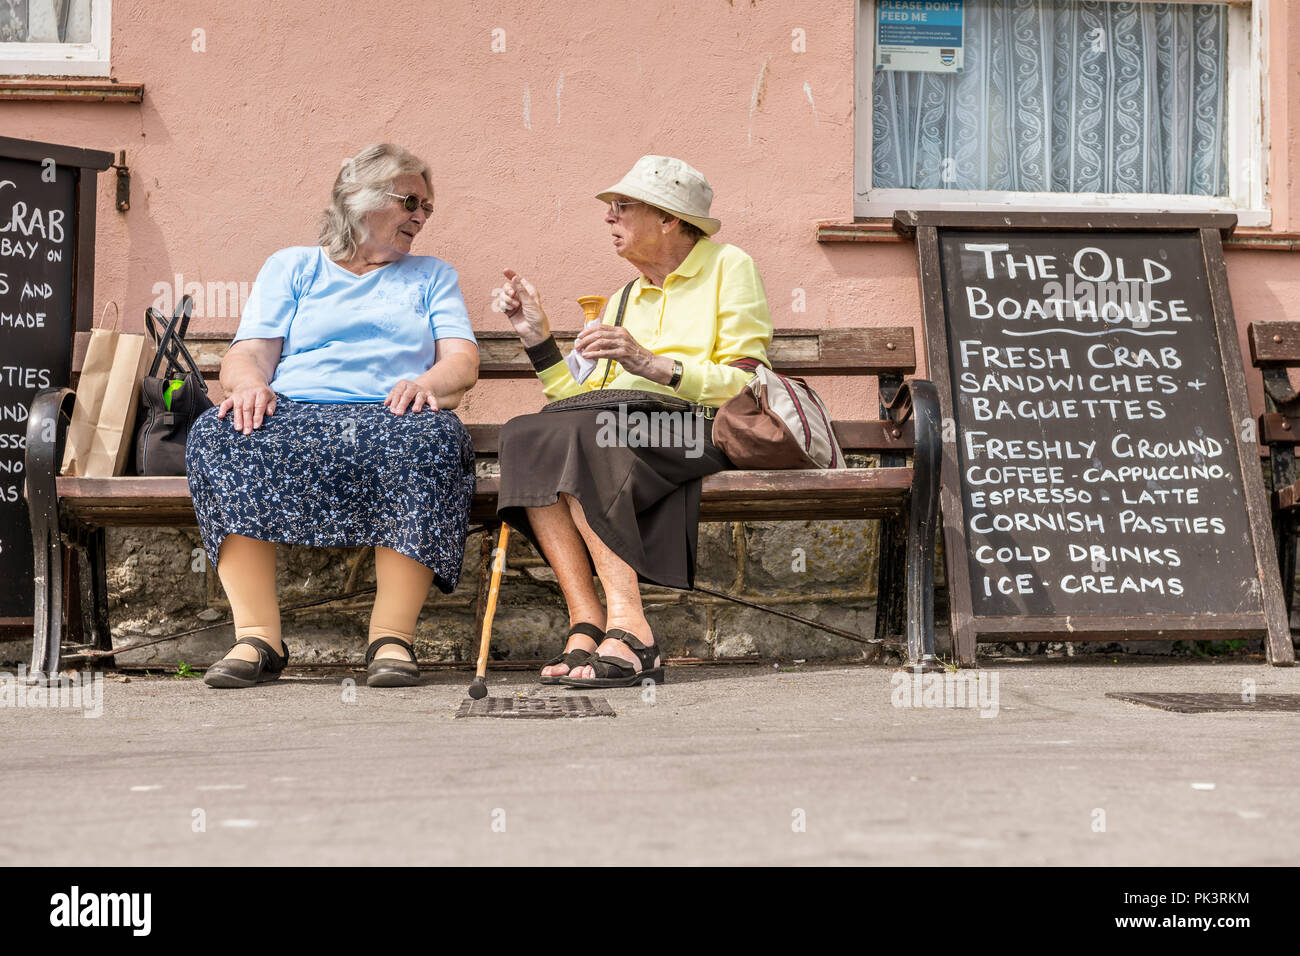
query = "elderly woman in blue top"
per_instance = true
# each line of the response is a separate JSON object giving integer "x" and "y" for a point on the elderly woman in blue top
{"x": 337, "y": 427}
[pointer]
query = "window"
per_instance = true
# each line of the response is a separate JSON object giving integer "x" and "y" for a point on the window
{"x": 1061, "y": 104}
{"x": 54, "y": 37}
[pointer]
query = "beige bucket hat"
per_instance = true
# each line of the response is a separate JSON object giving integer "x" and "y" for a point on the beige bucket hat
{"x": 671, "y": 185}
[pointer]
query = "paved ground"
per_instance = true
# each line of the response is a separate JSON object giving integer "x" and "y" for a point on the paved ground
{"x": 722, "y": 767}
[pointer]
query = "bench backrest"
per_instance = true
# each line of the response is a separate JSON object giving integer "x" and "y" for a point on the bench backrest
{"x": 889, "y": 353}
{"x": 1274, "y": 348}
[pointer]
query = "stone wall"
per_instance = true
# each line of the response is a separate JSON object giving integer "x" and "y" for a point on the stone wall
{"x": 161, "y": 584}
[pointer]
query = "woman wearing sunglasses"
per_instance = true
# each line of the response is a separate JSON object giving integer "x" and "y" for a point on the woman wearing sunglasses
{"x": 337, "y": 427}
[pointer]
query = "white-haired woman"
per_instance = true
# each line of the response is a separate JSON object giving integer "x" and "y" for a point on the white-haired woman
{"x": 337, "y": 428}
{"x": 693, "y": 325}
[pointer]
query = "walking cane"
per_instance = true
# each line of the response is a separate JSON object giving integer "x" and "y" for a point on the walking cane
{"x": 478, "y": 689}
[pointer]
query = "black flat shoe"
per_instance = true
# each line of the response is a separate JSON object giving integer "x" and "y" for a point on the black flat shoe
{"x": 616, "y": 672}
{"x": 232, "y": 672}
{"x": 390, "y": 671}
{"x": 576, "y": 657}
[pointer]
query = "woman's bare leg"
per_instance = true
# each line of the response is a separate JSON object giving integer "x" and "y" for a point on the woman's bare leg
{"x": 246, "y": 567}
{"x": 401, "y": 585}
{"x": 622, "y": 594}
{"x": 563, "y": 548}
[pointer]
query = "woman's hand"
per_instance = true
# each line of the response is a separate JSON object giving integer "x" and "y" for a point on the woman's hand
{"x": 249, "y": 405}
{"x": 406, "y": 393}
{"x": 523, "y": 307}
{"x": 615, "y": 342}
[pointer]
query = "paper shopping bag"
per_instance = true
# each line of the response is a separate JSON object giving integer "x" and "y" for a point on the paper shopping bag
{"x": 108, "y": 395}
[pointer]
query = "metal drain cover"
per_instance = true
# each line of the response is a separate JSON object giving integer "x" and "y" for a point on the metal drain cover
{"x": 543, "y": 708}
{"x": 1209, "y": 703}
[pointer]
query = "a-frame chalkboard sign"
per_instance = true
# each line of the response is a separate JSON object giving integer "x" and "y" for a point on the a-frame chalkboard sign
{"x": 47, "y": 284}
{"x": 1101, "y": 471}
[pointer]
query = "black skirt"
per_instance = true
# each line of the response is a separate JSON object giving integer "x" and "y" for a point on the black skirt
{"x": 639, "y": 487}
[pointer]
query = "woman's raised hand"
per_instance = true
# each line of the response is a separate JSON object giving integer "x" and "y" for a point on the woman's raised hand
{"x": 521, "y": 304}
{"x": 248, "y": 406}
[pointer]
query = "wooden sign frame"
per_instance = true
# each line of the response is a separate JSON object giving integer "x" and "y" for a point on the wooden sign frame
{"x": 969, "y": 629}
{"x": 85, "y": 165}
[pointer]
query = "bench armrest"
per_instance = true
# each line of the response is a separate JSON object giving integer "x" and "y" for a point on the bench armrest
{"x": 47, "y": 428}
{"x": 919, "y": 400}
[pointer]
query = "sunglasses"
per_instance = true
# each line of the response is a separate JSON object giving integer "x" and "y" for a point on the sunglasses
{"x": 412, "y": 202}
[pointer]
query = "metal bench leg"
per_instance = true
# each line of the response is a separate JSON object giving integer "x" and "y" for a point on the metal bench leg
{"x": 922, "y": 521}
{"x": 891, "y": 580}
{"x": 46, "y": 423}
{"x": 1282, "y": 470}
{"x": 101, "y": 634}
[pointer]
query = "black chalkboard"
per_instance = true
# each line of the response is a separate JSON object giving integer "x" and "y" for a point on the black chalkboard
{"x": 45, "y": 288}
{"x": 1101, "y": 470}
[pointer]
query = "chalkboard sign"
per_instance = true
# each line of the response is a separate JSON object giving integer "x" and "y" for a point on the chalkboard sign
{"x": 47, "y": 201}
{"x": 1101, "y": 474}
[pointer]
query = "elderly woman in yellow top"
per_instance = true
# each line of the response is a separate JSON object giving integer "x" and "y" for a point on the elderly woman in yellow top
{"x": 628, "y": 510}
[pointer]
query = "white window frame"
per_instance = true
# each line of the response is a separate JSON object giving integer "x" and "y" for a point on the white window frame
{"x": 1248, "y": 147}
{"x": 64, "y": 59}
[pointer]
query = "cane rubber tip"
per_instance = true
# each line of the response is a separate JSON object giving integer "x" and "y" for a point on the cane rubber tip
{"x": 478, "y": 689}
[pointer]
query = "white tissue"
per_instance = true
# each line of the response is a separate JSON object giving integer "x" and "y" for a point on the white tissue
{"x": 580, "y": 367}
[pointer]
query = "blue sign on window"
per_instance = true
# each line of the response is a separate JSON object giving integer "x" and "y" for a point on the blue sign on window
{"x": 919, "y": 35}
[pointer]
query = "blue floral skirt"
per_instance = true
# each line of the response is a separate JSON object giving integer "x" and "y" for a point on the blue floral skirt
{"x": 337, "y": 476}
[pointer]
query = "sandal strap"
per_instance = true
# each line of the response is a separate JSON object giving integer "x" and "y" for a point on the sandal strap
{"x": 578, "y": 656}
{"x": 645, "y": 654}
{"x": 376, "y": 645}
{"x": 271, "y": 661}
{"x": 574, "y": 658}
{"x": 590, "y": 630}
{"x": 606, "y": 667}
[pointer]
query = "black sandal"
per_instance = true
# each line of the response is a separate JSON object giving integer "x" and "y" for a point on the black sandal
{"x": 616, "y": 672}
{"x": 576, "y": 657}
{"x": 391, "y": 671}
{"x": 233, "y": 672}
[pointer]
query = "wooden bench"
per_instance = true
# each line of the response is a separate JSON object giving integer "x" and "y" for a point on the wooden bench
{"x": 1275, "y": 348}
{"x": 74, "y": 512}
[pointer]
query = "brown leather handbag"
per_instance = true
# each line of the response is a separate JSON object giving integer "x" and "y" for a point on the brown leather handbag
{"x": 776, "y": 422}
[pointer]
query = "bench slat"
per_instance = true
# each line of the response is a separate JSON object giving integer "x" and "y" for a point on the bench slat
{"x": 726, "y": 496}
{"x": 869, "y": 436}
{"x": 1274, "y": 343}
{"x": 794, "y": 351}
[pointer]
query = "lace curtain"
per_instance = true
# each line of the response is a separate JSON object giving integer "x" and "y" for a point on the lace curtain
{"x": 44, "y": 21}
{"x": 1064, "y": 96}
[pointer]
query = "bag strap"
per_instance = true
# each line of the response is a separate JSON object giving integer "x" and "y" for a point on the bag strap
{"x": 163, "y": 342}
{"x": 618, "y": 320}
{"x": 171, "y": 344}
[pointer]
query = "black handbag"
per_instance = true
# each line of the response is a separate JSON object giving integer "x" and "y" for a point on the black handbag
{"x": 172, "y": 396}
{"x": 634, "y": 400}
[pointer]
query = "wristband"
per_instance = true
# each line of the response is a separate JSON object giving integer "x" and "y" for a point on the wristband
{"x": 544, "y": 354}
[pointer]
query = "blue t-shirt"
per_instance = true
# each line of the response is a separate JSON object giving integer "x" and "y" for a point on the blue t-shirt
{"x": 351, "y": 338}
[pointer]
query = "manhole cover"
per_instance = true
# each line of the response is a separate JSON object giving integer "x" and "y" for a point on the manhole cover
{"x": 539, "y": 707}
{"x": 1207, "y": 703}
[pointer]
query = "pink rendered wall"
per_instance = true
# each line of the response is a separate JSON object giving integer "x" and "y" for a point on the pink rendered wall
{"x": 234, "y": 148}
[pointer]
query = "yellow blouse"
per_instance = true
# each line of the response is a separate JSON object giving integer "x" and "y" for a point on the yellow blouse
{"x": 711, "y": 310}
